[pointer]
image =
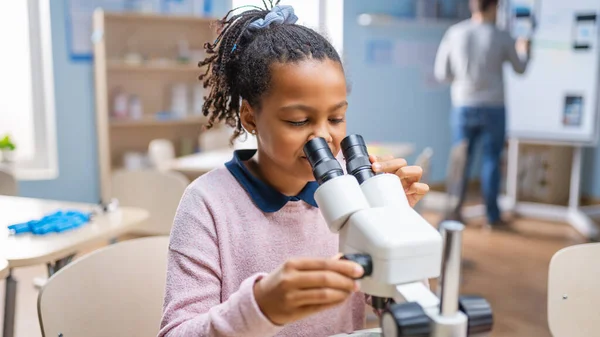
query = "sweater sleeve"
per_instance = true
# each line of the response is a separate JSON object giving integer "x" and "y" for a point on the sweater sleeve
{"x": 518, "y": 61}
{"x": 442, "y": 67}
{"x": 192, "y": 304}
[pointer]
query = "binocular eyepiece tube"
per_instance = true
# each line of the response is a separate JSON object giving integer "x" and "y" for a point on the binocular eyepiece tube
{"x": 322, "y": 161}
{"x": 358, "y": 164}
{"x": 326, "y": 167}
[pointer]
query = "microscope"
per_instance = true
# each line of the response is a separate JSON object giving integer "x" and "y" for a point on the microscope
{"x": 398, "y": 249}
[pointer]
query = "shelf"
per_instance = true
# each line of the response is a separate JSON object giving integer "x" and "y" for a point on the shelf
{"x": 157, "y": 122}
{"x": 154, "y": 18}
{"x": 157, "y": 39}
{"x": 168, "y": 67}
{"x": 382, "y": 20}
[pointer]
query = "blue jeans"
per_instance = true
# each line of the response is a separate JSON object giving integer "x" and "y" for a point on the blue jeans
{"x": 488, "y": 125}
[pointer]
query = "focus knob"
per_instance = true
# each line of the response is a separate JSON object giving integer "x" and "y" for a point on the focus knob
{"x": 479, "y": 313}
{"x": 405, "y": 320}
{"x": 362, "y": 259}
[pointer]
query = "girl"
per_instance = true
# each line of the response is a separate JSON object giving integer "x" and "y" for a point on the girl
{"x": 250, "y": 254}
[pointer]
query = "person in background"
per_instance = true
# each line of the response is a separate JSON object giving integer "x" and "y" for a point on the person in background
{"x": 471, "y": 57}
{"x": 250, "y": 253}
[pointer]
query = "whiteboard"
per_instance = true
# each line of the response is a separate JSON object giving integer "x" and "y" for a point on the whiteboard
{"x": 556, "y": 100}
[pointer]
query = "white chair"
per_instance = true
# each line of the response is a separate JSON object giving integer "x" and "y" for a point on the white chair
{"x": 573, "y": 293}
{"x": 8, "y": 184}
{"x": 114, "y": 291}
{"x": 157, "y": 192}
{"x": 424, "y": 161}
{"x": 216, "y": 138}
{"x": 161, "y": 153}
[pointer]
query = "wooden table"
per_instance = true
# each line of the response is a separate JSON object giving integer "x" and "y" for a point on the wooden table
{"x": 53, "y": 249}
{"x": 198, "y": 164}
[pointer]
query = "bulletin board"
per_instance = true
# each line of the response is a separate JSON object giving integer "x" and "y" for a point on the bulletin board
{"x": 556, "y": 100}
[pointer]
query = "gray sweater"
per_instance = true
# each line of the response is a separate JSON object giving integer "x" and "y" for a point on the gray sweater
{"x": 471, "y": 57}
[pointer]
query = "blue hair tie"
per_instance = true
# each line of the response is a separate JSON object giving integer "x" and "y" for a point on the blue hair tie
{"x": 279, "y": 15}
{"x": 234, "y": 47}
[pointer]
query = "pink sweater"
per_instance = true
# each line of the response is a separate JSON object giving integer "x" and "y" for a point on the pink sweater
{"x": 221, "y": 242}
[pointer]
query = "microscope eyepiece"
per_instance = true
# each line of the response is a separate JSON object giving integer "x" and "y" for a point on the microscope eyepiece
{"x": 322, "y": 161}
{"x": 358, "y": 164}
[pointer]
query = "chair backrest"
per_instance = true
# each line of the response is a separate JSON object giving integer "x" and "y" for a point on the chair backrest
{"x": 573, "y": 293}
{"x": 215, "y": 139}
{"x": 161, "y": 153}
{"x": 114, "y": 291}
{"x": 157, "y": 192}
{"x": 8, "y": 184}
{"x": 424, "y": 161}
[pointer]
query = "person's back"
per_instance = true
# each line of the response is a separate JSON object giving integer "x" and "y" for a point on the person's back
{"x": 477, "y": 53}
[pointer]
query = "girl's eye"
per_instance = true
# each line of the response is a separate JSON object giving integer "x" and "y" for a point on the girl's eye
{"x": 337, "y": 120}
{"x": 300, "y": 123}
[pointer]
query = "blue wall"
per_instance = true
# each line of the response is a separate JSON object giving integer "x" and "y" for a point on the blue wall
{"x": 75, "y": 124}
{"x": 75, "y": 121}
{"x": 389, "y": 102}
{"x": 405, "y": 111}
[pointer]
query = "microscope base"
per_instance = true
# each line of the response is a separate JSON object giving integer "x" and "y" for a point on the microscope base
{"x": 362, "y": 333}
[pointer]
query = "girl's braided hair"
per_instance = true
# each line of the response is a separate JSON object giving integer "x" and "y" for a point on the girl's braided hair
{"x": 238, "y": 65}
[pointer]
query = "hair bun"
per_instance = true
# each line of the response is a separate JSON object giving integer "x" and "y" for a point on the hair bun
{"x": 278, "y": 15}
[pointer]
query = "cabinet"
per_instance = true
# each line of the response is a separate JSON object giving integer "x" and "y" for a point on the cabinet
{"x": 544, "y": 172}
{"x": 146, "y": 84}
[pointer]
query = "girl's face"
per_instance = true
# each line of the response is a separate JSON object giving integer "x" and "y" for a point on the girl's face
{"x": 305, "y": 100}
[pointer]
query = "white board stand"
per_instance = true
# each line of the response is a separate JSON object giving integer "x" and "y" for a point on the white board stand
{"x": 573, "y": 214}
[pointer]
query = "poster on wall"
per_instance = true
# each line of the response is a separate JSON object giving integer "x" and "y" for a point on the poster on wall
{"x": 78, "y": 17}
{"x": 79, "y": 25}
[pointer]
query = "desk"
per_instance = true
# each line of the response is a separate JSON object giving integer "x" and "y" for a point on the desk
{"x": 56, "y": 249}
{"x": 198, "y": 164}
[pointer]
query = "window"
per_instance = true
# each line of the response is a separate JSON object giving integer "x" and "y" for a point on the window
{"x": 27, "y": 87}
{"x": 324, "y": 16}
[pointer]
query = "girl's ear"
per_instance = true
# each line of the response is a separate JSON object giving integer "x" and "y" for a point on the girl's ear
{"x": 247, "y": 117}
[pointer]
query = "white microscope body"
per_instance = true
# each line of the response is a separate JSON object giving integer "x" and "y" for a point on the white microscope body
{"x": 398, "y": 249}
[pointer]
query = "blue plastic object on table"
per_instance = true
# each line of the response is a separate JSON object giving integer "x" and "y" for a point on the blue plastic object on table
{"x": 56, "y": 222}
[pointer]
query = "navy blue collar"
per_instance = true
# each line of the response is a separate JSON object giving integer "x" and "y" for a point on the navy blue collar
{"x": 267, "y": 198}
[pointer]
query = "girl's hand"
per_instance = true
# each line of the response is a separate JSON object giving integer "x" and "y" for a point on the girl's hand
{"x": 301, "y": 287}
{"x": 409, "y": 175}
